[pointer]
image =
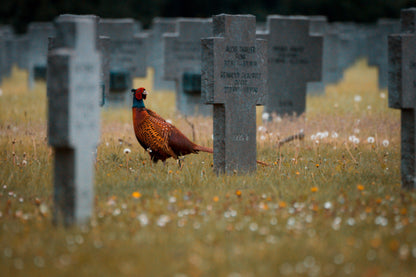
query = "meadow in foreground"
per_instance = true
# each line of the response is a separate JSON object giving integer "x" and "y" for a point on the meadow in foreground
{"x": 330, "y": 205}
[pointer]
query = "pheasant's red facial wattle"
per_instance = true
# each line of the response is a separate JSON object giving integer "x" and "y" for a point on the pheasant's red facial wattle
{"x": 140, "y": 93}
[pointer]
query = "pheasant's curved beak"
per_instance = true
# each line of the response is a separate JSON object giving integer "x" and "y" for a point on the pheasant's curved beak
{"x": 144, "y": 93}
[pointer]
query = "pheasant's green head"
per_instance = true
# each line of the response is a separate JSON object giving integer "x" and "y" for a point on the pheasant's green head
{"x": 138, "y": 96}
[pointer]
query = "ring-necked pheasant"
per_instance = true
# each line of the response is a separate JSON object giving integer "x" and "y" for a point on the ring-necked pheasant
{"x": 160, "y": 138}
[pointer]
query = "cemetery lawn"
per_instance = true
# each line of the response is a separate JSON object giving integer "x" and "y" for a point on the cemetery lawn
{"x": 330, "y": 205}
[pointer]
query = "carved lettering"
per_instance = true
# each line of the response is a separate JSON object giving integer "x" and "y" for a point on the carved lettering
{"x": 288, "y": 55}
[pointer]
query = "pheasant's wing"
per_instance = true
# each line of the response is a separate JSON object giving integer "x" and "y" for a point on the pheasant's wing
{"x": 158, "y": 132}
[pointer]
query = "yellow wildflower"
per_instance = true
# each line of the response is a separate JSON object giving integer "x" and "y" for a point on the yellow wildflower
{"x": 136, "y": 194}
{"x": 314, "y": 189}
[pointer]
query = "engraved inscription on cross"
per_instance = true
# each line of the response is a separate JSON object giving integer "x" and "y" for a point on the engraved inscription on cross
{"x": 402, "y": 91}
{"x": 234, "y": 75}
{"x": 294, "y": 58}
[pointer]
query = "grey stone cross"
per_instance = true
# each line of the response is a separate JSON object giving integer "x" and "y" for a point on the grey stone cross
{"x": 295, "y": 58}
{"x": 234, "y": 75}
{"x": 128, "y": 60}
{"x": 402, "y": 91}
{"x": 182, "y": 63}
{"x": 73, "y": 116}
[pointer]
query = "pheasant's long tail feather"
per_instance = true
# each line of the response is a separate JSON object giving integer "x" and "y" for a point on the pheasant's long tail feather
{"x": 210, "y": 150}
{"x": 204, "y": 149}
{"x": 298, "y": 136}
{"x": 263, "y": 163}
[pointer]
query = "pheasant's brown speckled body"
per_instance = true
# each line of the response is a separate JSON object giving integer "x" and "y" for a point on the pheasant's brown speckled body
{"x": 160, "y": 138}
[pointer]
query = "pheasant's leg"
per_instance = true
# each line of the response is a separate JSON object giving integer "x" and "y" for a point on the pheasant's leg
{"x": 180, "y": 159}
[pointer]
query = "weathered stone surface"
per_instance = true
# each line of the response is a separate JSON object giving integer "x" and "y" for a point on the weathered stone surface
{"x": 22, "y": 52}
{"x": 234, "y": 76}
{"x": 331, "y": 72}
{"x": 159, "y": 27}
{"x": 74, "y": 68}
{"x": 294, "y": 58}
{"x": 378, "y": 55}
{"x": 402, "y": 91}
{"x": 103, "y": 43}
{"x": 6, "y": 47}
{"x": 318, "y": 27}
{"x": 182, "y": 54}
{"x": 38, "y": 33}
{"x": 127, "y": 56}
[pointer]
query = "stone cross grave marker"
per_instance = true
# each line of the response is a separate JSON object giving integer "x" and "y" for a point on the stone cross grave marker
{"x": 182, "y": 54}
{"x": 295, "y": 58}
{"x": 73, "y": 116}
{"x": 127, "y": 56}
{"x": 160, "y": 26}
{"x": 38, "y": 33}
{"x": 402, "y": 91}
{"x": 317, "y": 27}
{"x": 234, "y": 76}
{"x": 331, "y": 72}
{"x": 378, "y": 54}
{"x": 348, "y": 44}
{"x": 6, "y": 50}
{"x": 103, "y": 43}
{"x": 19, "y": 51}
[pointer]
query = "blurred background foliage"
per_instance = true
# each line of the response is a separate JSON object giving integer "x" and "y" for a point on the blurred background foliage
{"x": 21, "y": 12}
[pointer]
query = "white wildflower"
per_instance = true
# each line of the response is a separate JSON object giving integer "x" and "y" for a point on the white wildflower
{"x": 127, "y": 151}
{"x": 386, "y": 143}
{"x": 163, "y": 220}
{"x": 144, "y": 220}
{"x": 370, "y": 139}
{"x": 328, "y": 205}
{"x": 261, "y": 129}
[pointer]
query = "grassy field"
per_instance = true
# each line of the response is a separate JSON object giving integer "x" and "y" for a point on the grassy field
{"x": 330, "y": 205}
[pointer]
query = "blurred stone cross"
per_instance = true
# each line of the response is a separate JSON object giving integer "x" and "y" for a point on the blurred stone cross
{"x": 182, "y": 63}
{"x": 160, "y": 26}
{"x": 402, "y": 91}
{"x": 38, "y": 33}
{"x": 294, "y": 58}
{"x": 73, "y": 116}
{"x": 128, "y": 46}
{"x": 234, "y": 75}
{"x": 103, "y": 43}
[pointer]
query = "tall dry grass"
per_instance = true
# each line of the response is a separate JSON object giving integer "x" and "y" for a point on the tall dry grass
{"x": 330, "y": 205}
